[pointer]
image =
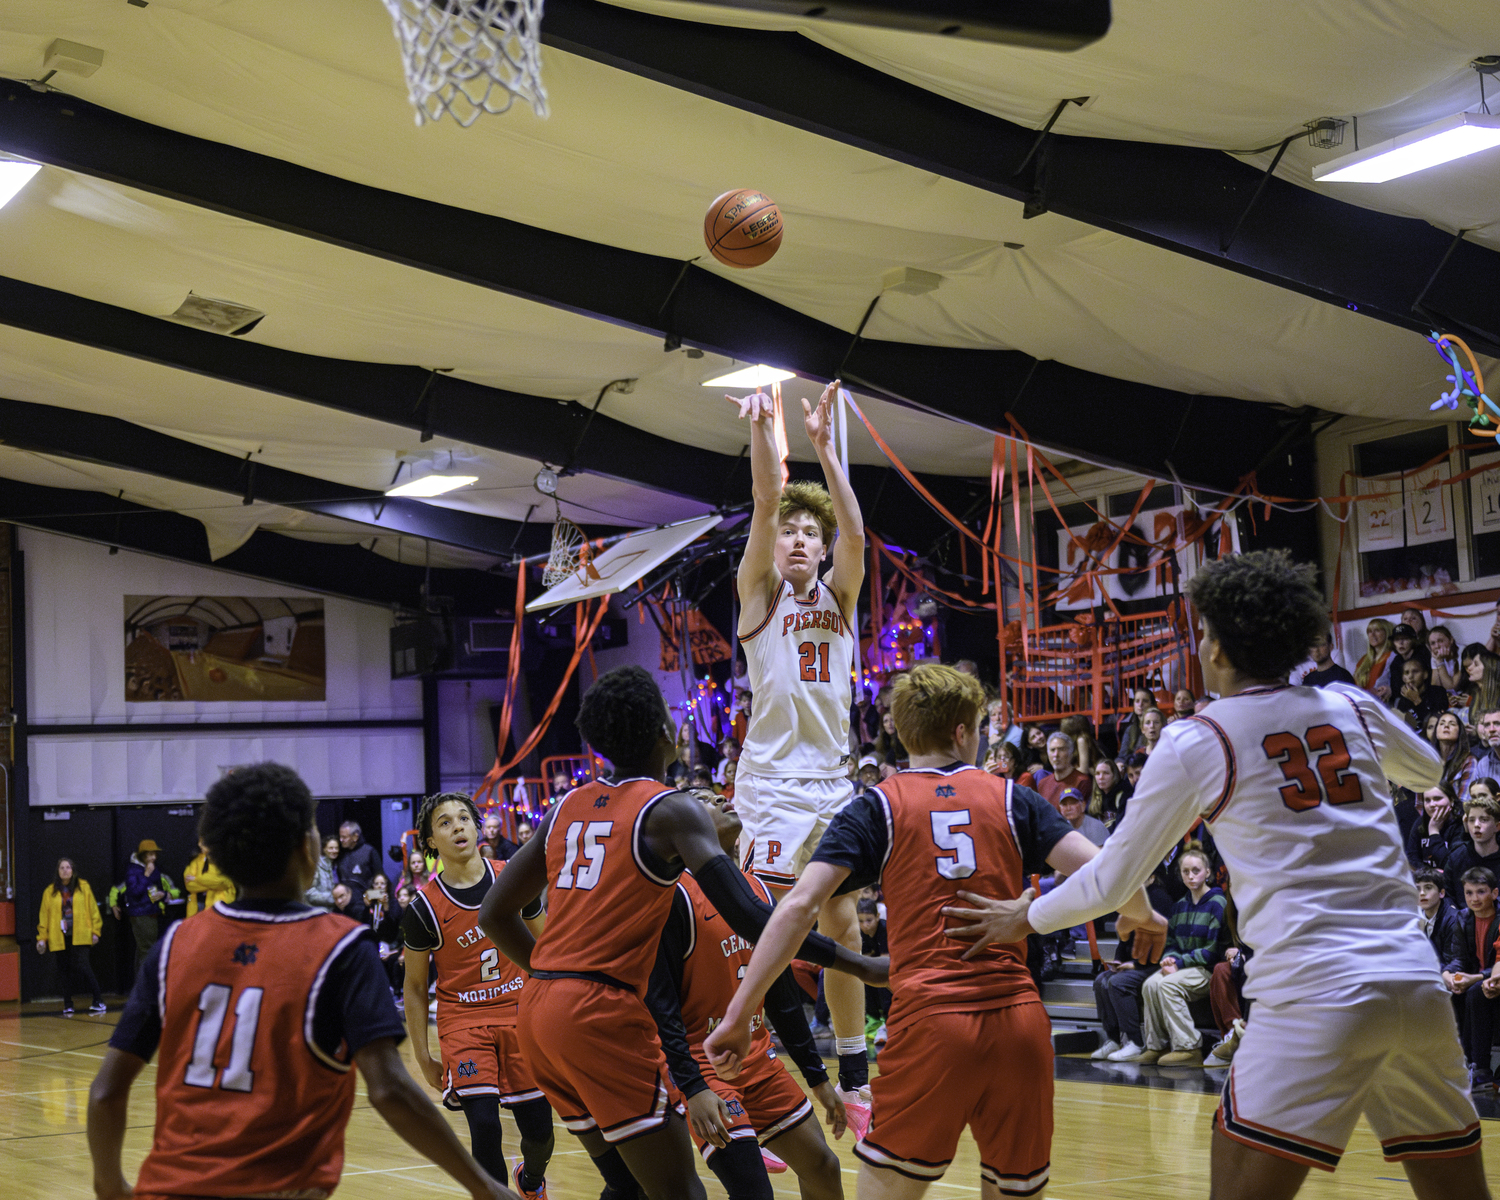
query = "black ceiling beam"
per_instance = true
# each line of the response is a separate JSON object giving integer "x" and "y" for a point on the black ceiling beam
{"x": 350, "y": 571}
{"x": 642, "y": 291}
{"x": 1180, "y": 198}
{"x": 109, "y": 441}
{"x": 531, "y": 427}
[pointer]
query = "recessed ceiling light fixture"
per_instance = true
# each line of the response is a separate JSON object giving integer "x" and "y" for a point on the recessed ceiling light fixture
{"x": 757, "y": 376}
{"x": 427, "y": 481}
{"x": 14, "y": 175}
{"x": 1430, "y": 146}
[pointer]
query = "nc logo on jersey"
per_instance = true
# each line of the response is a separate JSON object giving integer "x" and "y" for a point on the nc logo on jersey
{"x": 947, "y": 790}
{"x": 245, "y": 952}
{"x": 467, "y": 1069}
{"x": 601, "y": 801}
{"x": 735, "y": 1108}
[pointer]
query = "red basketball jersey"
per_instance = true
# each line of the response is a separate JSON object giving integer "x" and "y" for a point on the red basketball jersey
{"x": 712, "y": 969}
{"x": 948, "y": 832}
{"x": 476, "y": 984}
{"x": 605, "y": 906}
{"x": 246, "y": 1103}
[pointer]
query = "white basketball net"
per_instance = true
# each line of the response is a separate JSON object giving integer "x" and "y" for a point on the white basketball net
{"x": 467, "y": 57}
{"x": 567, "y": 551}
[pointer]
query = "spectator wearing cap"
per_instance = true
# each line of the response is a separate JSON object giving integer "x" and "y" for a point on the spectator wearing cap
{"x": 868, "y": 774}
{"x": 144, "y": 893}
{"x": 1073, "y": 805}
{"x": 1325, "y": 670}
{"x": 1065, "y": 772}
{"x": 1407, "y": 647}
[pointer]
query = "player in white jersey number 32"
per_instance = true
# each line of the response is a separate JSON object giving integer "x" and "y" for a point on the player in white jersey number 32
{"x": 793, "y": 773}
{"x": 1350, "y": 1014}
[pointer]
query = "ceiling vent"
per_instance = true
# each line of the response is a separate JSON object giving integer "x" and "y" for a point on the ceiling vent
{"x": 217, "y": 316}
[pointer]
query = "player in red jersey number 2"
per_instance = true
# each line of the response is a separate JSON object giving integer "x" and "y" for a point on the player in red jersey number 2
{"x": 482, "y": 1068}
{"x": 260, "y": 1009}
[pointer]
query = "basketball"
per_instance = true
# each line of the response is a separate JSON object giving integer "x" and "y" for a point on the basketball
{"x": 742, "y": 228}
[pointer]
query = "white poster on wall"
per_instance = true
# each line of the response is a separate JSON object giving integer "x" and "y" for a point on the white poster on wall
{"x": 1484, "y": 492}
{"x": 1146, "y": 556}
{"x": 1381, "y": 520}
{"x": 1429, "y": 506}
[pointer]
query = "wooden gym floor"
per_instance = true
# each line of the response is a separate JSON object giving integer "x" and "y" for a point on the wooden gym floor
{"x": 1113, "y": 1140}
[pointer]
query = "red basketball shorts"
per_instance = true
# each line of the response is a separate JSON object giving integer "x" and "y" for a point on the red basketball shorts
{"x": 486, "y": 1060}
{"x": 937, "y": 1076}
{"x": 594, "y": 1052}
{"x": 764, "y": 1101}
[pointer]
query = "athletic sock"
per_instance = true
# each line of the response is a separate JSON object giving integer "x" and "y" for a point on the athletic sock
{"x": 854, "y": 1063}
{"x": 741, "y": 1170}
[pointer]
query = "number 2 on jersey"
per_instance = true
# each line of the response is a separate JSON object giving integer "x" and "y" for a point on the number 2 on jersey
{"x": 1307, "y": 786}
{"x": 810, "y": 653}
{"x": 593, "y": 853}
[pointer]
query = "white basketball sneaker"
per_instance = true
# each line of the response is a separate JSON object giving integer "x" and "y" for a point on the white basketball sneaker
{"x": 1105, "y": 1050}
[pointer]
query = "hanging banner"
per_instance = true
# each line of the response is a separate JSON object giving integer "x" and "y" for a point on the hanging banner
{"x": 1429, "y": 506}
{"x": 1141, "y": 565}
{"x": 1381, "y": 521}
{"x": 1484, "y": 492}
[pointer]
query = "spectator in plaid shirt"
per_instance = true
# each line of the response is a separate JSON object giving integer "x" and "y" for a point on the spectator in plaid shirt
{"x": 1172, "y": 1040}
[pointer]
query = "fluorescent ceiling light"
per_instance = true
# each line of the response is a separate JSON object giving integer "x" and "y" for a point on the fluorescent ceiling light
{"x": 431, "y": 485}
{"x": 13, "y": 177}
{"x": 750, "y": 377}
{"x": 1440, "y": 142}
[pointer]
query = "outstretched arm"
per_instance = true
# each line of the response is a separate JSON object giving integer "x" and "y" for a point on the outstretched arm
{"x": 791, "y": 922}
{"x": 680, "y": 829}
{"x": 109, "y": 1098}
{"x": 521, "y": 882}
{"x": 849, "y": 547}
{"x": 757, "y": 576}
{"x": 406, "y": 1109}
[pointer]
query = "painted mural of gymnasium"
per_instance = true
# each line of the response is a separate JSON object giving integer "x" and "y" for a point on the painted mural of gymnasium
{"x": 194, "y": 648}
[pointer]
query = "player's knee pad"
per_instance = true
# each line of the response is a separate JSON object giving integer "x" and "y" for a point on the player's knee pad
{"x": 483, "y": 1115}
{"x": 534, "y": 1119}
{"x": 741, "y": 1170}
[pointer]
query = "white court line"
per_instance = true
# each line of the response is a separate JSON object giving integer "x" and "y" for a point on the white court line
{"x": 26, "y": 1045}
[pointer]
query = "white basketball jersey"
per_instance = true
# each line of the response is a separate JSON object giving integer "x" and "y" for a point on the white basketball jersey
{"x": 799, "y": 659}
{"x": 1292, "y": 783}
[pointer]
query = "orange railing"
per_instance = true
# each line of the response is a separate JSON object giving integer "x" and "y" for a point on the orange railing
{"x": 1092, "y": 670}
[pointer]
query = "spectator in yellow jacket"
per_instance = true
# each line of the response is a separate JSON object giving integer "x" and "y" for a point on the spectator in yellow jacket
{"x": 205, "y": 884}
{"x": 68, "y": 922}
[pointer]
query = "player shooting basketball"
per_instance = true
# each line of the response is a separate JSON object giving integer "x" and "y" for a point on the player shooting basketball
{"x": 793, "y": 771}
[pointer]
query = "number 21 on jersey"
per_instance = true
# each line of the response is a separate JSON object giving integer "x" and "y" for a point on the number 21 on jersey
{"x": 1309, "y": 781}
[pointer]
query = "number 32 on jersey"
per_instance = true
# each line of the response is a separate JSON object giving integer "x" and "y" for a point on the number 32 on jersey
{"x": 1316, "y": 767}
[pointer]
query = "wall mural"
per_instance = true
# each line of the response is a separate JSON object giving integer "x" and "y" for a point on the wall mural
{"x": 193, "y": 648}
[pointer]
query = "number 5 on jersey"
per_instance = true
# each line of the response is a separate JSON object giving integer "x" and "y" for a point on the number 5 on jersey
{"x": 593, "y": 853}
{"x": 1333, "y": 780}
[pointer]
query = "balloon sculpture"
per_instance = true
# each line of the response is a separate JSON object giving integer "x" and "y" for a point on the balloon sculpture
{"x": 1468, "y": 383}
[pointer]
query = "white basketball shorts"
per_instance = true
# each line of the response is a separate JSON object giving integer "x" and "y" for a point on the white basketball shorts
{"x": 784, "y": 820}
{"x": 1305, "y": 1071}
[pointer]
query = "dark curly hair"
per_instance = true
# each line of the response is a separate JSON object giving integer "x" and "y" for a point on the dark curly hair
{"x": 430, "y": 806}
{"x": 1263, "y": 608}
{"x": 254, "y": 820}
{"x": 622, "y": 716}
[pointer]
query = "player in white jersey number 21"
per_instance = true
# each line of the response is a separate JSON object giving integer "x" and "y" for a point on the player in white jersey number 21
{"x": 793, "y": 774}
{"x": 1350, "y": 1015}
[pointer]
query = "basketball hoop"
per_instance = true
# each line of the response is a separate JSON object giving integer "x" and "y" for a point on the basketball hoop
{"x": 569, "y": 552}
{"x": 467, "y": 57}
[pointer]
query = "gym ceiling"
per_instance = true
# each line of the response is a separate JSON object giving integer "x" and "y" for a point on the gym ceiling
{"x": 1132, "y": 290}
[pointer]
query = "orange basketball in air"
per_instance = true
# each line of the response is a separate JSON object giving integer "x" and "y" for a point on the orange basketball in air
{"x": 743, "y": 228}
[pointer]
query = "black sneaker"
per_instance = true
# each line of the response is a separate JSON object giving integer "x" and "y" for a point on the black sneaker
{"x": 96, "y": 1009}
